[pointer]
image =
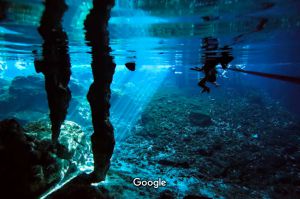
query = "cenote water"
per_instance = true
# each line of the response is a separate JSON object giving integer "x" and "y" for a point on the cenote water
{"x": 239, "y": 140}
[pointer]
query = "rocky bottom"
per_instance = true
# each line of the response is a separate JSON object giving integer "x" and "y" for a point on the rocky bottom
{"x": 207, "y": 147}
{"x": 203, "y": 146}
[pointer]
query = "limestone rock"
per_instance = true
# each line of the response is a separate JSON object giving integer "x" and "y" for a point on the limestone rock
{"x": 29, "y": 165}
{"x": 200, "y": 119}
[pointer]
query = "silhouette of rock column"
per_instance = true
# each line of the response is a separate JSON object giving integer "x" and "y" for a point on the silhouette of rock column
{"x": 55, "y": 64}
{"x": 103, "y": 68}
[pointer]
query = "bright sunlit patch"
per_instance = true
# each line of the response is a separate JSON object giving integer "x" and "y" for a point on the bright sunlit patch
{"x": 102, "y": 183}
{"x": 132, "y": 93}
{"x": 3, "y": 66}
{"x": 88, "y": 167}
{"x": 141, "y": 20}
{"x": 155, "y": 68}
{"x": 20, "y": 65}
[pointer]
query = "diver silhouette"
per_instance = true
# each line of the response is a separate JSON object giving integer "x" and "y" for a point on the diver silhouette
{"x": 213, "y": 55}
{"x": 55, "y": 65}
{"x": 212, "y": 58}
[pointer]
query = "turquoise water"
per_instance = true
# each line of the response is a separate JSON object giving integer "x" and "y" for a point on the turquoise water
{"x": 153, "y": 109}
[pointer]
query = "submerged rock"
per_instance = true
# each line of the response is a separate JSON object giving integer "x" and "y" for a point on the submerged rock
{"x": 200, "y": 119}
{"x": 167, "y": 194}
{"x": 29, "y": 165}
{"x": 18, "y": 159}
{"x": 79, "y": 188}
{"x": 27, "y": 93}
{"x": 182, "y": 164}
{"x": 20, "y": 87}
{"x": 195, "y": 197}
{"x": 72, "y": 137}
{"x": 204, "y": 151}
{"x": 24, "y": 94}
{"x": 25, "y": 99}
{"x": 81, "y": 191}
{"x": 3, "y": 86}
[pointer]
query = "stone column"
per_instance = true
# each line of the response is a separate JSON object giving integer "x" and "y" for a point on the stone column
{"x": 103, "y": 67}
{"x": 55, "y": 64}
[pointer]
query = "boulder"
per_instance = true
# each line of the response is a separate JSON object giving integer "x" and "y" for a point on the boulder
{"x": 24, "y": 94}
{"x": 26, "y": 99}
{"x": 29, "y": 163}
{"x": 72, "y": 137}
{"x": 195, "y": 197}
{"x": 18, "y": 159}
{"x": 182, "y": 164}
{"x": 79, "y": 188}
{"x": 3, "y": 86}
{"x": 200, "y": 119}
{"x": 166, "y": 194}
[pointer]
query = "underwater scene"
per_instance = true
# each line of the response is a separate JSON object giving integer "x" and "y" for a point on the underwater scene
{"x": 162, "y": 99}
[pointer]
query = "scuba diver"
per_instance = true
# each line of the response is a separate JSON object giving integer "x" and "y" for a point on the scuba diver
{"x": 212, "y": 57}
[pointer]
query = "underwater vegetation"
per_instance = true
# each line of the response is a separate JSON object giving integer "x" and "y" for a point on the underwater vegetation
{"x": 192, "y": 99}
